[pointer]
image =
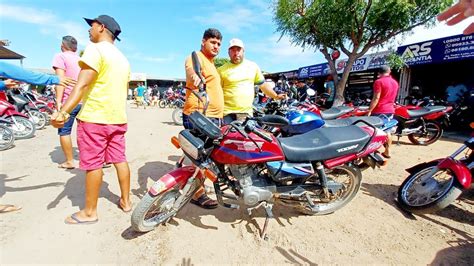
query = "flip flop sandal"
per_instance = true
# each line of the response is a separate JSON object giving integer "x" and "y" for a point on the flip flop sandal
{"x": 120, "y": 207}
{"x": 9, "y": 208}
{"x": 65, "y": 167}
{"x": 78, "y": 221}
{"x": 386, "y": 156}
{"x": 205, "y": 202}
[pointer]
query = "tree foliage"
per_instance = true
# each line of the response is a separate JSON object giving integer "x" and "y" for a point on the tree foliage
{"x": 219, "y": 61}
{"x": 351, "y": 26}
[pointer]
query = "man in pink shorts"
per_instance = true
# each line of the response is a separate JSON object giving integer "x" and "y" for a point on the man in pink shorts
{"x": 102, "y": 122}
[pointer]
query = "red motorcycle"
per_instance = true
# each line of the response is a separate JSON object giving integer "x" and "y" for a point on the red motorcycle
{"x": 422, "y": 125}
{"x": 314, "y": 172}
{"x": 432, "y": 186}
{"x": 18, "y": 122}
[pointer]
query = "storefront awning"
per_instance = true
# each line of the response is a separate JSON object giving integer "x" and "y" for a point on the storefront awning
{"x": 452, "y": 48}
{"x": 370, "y": 61}
{"x": 9, "y": 54}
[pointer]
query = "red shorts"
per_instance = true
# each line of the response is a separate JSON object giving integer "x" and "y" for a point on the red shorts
{"x": 100, "y": 143}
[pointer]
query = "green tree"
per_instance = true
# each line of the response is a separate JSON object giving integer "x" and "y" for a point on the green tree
{"x": 219, "y": 61}
{"x": 351, "y": 26}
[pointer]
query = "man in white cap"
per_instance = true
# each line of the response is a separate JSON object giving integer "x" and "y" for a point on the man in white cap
{"x": 238, "y": 78}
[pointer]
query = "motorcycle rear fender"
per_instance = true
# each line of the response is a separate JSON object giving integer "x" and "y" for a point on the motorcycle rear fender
{"x": 176, "y": 177}
{"x": 461, "y": 172}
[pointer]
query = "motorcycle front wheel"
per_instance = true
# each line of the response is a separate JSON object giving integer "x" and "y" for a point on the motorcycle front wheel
{"x": 6, "y": 138}
{"x": 152, "y": 211}
{"x": 420, "y": 194}
{"x": 433, "y": 131}
{"x": 177, "y": 116}
{"x": 346, "y": 176}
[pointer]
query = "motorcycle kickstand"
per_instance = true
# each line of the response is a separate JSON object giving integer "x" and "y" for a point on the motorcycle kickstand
{"x": 268, "y": 211}
{"x": 269, "y": 214}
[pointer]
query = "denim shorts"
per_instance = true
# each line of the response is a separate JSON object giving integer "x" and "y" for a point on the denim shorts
{"x": 67, "y": 128}
{"x": 188, "y": 125}
{"x": 389, "y": 123}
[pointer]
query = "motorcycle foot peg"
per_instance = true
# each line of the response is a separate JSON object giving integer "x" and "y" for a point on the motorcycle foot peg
{"x": 377, "y": 158}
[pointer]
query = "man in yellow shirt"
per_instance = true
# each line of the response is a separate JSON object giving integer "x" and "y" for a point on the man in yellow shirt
{"x": 102, "y": 122}
{"x": 238, "y": 78}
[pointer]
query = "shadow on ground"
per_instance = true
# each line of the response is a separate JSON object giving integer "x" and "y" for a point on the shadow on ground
{"x": 294, "y": 257}
{"x": 74, "y": 190}
{"x": 57, "y": 155}
{"x": 150, "y": 171}
{"x": 4, "y": 188}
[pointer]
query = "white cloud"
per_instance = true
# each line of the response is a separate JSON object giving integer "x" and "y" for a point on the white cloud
{"x": 232, "y": 21}
{"x": 441, "y": 30}
{"x": 49, "y": 23}
{"x": 235, "y": 18}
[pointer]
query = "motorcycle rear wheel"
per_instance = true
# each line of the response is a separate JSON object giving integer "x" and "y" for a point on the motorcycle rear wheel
{"x": 177, "y": 116}
{"x": 433, "y": 132}
{"x": 431, "y": 195}
{"x": 6, "y": 138}
{"x": 351, "y": 179}
{"x": 23, "y": 128}
{"x": 152, "y": 211}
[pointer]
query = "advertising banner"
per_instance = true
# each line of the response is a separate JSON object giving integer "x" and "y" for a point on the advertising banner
{"x": 370, "y": 61}
{"x": 437, "y": 51}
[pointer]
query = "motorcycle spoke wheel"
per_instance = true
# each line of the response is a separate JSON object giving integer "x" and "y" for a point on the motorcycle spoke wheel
{"x": 432, "y": 133}
{"x": 177, "y": 116}
{"x": 349, "y": 178}
{"x": 420, "y": 193}
{"x": 152, "y": 211}
{"x": 6, "y": 138}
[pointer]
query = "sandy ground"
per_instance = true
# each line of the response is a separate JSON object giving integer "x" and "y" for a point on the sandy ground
{"x": 369, "y": 230}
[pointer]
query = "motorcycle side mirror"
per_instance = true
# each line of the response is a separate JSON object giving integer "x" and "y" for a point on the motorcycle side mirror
{"x": 197, "y": 68}
{"x": 310, "y": 92}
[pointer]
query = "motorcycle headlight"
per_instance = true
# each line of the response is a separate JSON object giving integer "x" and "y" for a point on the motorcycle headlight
{"x": 190, "y": 144}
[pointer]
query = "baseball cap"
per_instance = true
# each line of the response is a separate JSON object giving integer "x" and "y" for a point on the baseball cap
{"x": 236, "y": 42}
{"x": 108, "y": 22}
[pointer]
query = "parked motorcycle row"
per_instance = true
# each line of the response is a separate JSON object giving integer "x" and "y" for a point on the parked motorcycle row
{"x": 22, "y": 112}
{"x": 298, "y": 156}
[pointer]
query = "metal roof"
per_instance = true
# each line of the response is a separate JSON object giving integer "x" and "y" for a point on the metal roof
{"x": 9, "y": 54}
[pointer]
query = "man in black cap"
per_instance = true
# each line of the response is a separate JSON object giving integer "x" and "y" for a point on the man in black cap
{"x": 102, "y": 122}
{"x": 301, "y": 88}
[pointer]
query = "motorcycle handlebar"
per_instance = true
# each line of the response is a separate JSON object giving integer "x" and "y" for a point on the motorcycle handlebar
{"x": 250, "y": 127}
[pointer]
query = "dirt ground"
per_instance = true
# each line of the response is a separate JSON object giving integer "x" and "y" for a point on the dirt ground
{"x": 369, "y": 230}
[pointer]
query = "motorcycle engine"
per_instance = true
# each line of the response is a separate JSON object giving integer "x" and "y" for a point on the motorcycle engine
{"x": 254, "y": 187}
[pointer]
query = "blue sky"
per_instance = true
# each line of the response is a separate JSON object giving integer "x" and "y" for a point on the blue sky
{"x": 158, "y": 35}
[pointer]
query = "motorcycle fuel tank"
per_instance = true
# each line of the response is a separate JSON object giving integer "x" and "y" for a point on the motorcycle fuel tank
{"x": 302, "y": 121}
{"x": 237, "y": 149}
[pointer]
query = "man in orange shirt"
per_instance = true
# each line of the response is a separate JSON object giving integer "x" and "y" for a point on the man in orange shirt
{"x": 210, "y": 46}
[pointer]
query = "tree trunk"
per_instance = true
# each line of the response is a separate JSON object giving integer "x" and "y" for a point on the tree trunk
{"x": 341, "y": 85}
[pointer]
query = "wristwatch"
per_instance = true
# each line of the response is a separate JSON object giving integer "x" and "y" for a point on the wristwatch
{"x": 65, "y": 115}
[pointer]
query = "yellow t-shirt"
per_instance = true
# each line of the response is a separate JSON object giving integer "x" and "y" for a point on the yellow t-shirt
{"x": 213, "y": 88}
{"x": 105, "y": 101}
{"x": 238, "y": 85}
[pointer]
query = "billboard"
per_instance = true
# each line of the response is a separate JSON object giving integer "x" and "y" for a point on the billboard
{"x": 370, "y": 61}
{"x": 452, "y": 48}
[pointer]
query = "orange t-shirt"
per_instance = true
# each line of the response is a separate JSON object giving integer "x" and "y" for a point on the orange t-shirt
{"x": 213, "y": 88}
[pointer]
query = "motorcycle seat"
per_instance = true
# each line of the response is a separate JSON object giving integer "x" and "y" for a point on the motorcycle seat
{"x": 425, "y": 111}
{"x": 335, "y": 112}
{"x": 373, "y": 120}
{"x": 324, "y": 143}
